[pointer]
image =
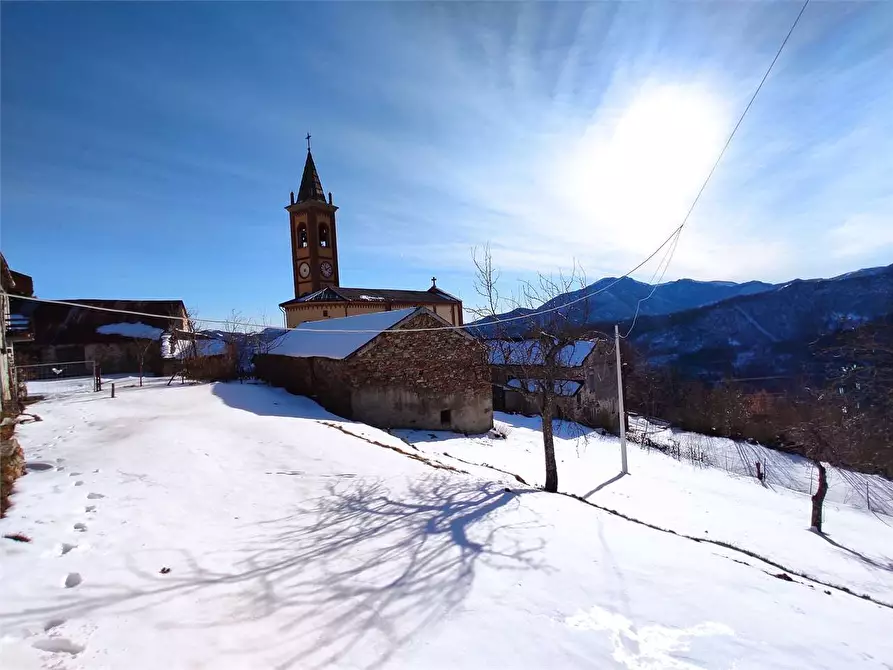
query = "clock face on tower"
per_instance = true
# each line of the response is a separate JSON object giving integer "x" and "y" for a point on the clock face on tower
{"x": 326, "y": 269}
{"x": 304, "y": 270}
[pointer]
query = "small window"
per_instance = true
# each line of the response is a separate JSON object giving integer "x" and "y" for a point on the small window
{"x": 302, "y": 236}
{"x": 323, "y": 235}
{"x": 325, "y": 312}
{"x": 446, "y": 417}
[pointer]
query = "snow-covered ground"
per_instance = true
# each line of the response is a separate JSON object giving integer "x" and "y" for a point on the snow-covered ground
{"x": 56, "y": 388}
{"x": 696, "y": 500}
{"x": 236, "y": 526}
{"x": 780, "y": 469}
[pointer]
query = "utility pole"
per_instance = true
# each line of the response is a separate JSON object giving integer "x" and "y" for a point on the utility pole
{"x": 624, "y": 469}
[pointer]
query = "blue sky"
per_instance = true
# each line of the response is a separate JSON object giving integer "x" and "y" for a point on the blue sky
{"x": 148, "y": 149}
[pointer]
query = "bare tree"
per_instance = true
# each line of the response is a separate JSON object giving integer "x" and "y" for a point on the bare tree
{"x": 532, "y": 354}
{"x": 817, "y": 427}
{"x": 182, "y": 344}
{"x": 141, "y": 353}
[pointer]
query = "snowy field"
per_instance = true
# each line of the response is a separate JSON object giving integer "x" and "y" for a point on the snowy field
{"x": 696, "y": 500}
{"x": 236, "y": 526}
{"x": 56, "y": 388}
{"x": 780, "y": 469}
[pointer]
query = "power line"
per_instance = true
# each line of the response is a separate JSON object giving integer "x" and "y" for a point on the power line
{"x": 718, "y": 159}
{"x": 674, "y": 234}
{"x": 95, "y": 307}
{"x": 668, "y": 257}
{"x": 348, "y": 330}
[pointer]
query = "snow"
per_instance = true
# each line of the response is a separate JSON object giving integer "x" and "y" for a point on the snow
{"x": 264, "y": 532}
{"x": 790, "y": 471}
{"x": 725, "y": 502}
{"x": 320, "y": 338}
{"x": 187, "y": 348}
{"x": 52, "y": 388}
{"x": 529, "y": 352}
{"x": 199, "y": 347}
{"x": 166, "y": 348}
{"x": 137, "y": 330}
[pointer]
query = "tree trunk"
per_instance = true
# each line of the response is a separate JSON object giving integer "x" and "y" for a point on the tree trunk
{"x": 818, "y": 499}
{"x": 549, "y": 446}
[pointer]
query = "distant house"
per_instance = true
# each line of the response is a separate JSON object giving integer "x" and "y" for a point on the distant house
{"x": 116, "y": 341}
{"x": 209, "y": 356}
{"x": 585, "y": 389}
{"x": 364, "y": 368}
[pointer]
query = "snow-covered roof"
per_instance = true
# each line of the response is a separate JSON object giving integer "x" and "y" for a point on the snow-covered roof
{"x": 188, "y": 348}
{"x": 322, "y": 339}
{"x": 564, "y": 387}
{"x": 530, "y": 352}
{"x": 137, "y": 330}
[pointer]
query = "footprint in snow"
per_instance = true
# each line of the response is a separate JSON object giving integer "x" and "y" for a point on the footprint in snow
{"x": 74, "y": 474}
{"x": 79, "y": 482}
{"x": 51, "y": 624}
{"x": 80, "y": 527}
{"x": 73, "y": 579}
{"x": 37, "y": 466}
{"x": 95, "y": 496}
{"x": 59, "y": 645}
{"x": 90, "y": 508}
{"x": 65, "y": 548}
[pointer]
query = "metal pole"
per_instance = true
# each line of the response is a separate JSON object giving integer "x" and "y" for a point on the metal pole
{"x": 113, "y": 389}
{"x": 624, "y": 469}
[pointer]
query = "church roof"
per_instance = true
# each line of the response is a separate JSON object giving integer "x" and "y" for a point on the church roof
{"x": 311, "y": 188}
{"x": 343, "y": 294}
{"x": 338, "y": 338}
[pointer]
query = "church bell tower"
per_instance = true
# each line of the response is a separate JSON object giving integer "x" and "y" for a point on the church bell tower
{"x": 314, "y": 243}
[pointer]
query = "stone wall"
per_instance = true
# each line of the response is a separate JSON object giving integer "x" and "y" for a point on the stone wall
{"x": 430, "y": 380}
{"x": 12, "y": 459}
{"x": 595, "y": 404}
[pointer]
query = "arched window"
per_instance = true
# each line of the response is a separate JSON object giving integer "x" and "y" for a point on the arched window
{"x": 302, "y": 235}
{"x": 323, "y": 235}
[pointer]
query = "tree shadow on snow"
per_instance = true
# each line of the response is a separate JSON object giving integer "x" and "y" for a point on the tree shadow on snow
{"x": 357, "y": 573}
{"x": 883, "y": 564}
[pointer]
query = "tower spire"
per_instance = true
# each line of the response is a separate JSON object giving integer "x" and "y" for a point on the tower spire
{"x": 311, "y": 188}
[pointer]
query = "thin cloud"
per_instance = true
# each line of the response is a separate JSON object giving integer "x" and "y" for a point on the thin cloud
{"x": 602, "y": 172}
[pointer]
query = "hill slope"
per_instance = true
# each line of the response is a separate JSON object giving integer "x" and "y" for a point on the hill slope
{"x": 768, "y": 333}
{"x": 717, "y": 329}
{"x": 617, "y": 302}
{"x": 264, "y": 532}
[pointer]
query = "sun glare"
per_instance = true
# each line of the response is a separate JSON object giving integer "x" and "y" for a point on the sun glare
{"x": 641, "y": 167}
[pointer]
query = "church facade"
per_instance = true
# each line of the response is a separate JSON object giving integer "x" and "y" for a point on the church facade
{"x": 318, "y": 291}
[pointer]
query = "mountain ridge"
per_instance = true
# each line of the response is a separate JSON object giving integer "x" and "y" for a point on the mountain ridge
{"x": 716, "y": 330}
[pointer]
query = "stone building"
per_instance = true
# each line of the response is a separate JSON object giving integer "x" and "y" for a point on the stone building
{"x": 317, "y": 273}
{"x": 584, "y": 383}
{"x": 14, "y": 329}
{"x": 116, "y": 342}
{"x": 437, "y": 379}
